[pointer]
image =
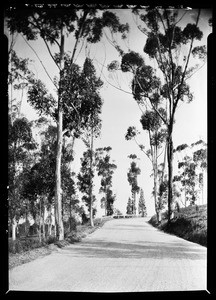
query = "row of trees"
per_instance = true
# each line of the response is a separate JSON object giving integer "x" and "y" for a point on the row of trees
{"x": 75, "y": 107}
{"x": 32, "y": 176}
{"x": 131, "y": 208}
{"x": 192, "y": 165}
{"x": 158, "y": 92}
{"x": 77, "y": 104}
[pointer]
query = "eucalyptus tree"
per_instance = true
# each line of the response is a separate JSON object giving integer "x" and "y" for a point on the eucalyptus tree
{"x": 19, "y": 78}
{"x": 105, "y": 169}
{"x": 189, "y": 179}
{"x": 190, "y": 166}
{"x": 200, "y": 159}
{"x": 54, "y": 26}
{"x": 85, "y": 182}
{"x": 129, "y": 208}
{"x": 141, "y": 205}
{"x": 20, "y": 148}
{"x": 157, "y": 135}
{"x": 39, "y": 183}
{"x": 92, "y": 108}
{"x": 132, "y": 175}
{"x": 173, "y": 49}
{"x": 19, "y": 161}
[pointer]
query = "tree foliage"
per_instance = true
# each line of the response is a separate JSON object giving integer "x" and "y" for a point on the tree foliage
{"x": 132, "y": 175}
{"x": 105, "y": 169}
{"x": 164, "y": 41}
{"x": 129, "y": 208}
{"x": 53, "y": 26}
{"x": 85, "y": 178}
{"x": 191, "y": 171}
{"x": 141, "y": 205}
{"x": 20, "y": 147}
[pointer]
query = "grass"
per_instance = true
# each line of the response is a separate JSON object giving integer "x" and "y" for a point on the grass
{"x": 189, "y": 223}
{"x": 27, "y": 249}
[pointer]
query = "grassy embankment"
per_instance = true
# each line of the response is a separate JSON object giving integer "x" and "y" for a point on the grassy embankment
{"x": 24, "y": 250}
{"x": 189, "y": 223}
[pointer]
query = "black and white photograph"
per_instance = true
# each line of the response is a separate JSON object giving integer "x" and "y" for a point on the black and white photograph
{"x": 107, "y": 147}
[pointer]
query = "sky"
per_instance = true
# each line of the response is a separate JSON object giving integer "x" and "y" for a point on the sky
{"x": 120, "y": 109}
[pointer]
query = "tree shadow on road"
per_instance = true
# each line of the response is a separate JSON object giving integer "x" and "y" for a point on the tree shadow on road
{"x": 135, "y": 250}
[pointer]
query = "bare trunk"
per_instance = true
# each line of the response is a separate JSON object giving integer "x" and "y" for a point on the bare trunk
{"x": 55, "y": 230}
{"x": 58, "y": 195}
{"x": 39, "y": 231}
{"x": 105, "y": 203}
{"x": 91, "y": 183}
{"x": 50, "y": 221}
{"x": 43, "y": 221}
{"x": 135, "y": 204}
{"x": 26, "y": 222}
{"x": 170, "y": 175}
{"x": 14, "y": 225}
{"x": 50, "y": 228}
{"x": 155, "y": 191}
{"x": 155, "y": 170}
{"x": 91, "y": 215}
{"x": 161, "y": 181}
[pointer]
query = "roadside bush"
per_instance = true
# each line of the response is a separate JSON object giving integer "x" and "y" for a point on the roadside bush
{"x": 21, "y": 245}
{"x": 23, "y": 228}
{"x": 50, "y": 240}
{"x": 70, "y": 225}
{"x": 15, "y": 246}
{"x": 189, "y": 223}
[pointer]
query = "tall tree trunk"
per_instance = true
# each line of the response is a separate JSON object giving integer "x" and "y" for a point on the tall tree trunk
{"x": 14, "y": 226}
{"x": 105, "y": 203}
{"x": 170, "y": 174}
{"x": 55, "y": 230}
{"x": 132, "y": 203}
{"x": 58, "y": 194}
{"x": 39, "y": 231}
{"x": 91, "y": 183}
{"x": 43, "y": 219}
{"x": 58, "y": 200}
{"x": 155, "y": 171}
{"x": 50, "y": 221}
{"x": 135, "y": 210}
{"x": 26, "y": 222}
{"x": 161, "y": 181}
{"x": 155, "y": 191}
{"x": 70, "y": 216}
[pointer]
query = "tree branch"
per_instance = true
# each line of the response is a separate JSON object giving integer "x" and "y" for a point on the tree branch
{"x": 40, "y": 29}
{"x": 50, "y": 53}
{"x": 142, "y": 149}
{"x": 39, "y": 60}
{"x": 79, "y": 36}
{"x": 187, "y": 61}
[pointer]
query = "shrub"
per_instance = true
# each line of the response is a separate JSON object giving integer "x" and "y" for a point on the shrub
{"x": 189, "y": 223}
{"x": 51, "y": 239}
{"x": 26, "y": 244}
{"x": 15, "y": 246}
{"x": 70, "y": 225}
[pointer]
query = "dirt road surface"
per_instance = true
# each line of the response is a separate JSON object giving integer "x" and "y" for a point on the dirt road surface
{"x": 125, "y": 255}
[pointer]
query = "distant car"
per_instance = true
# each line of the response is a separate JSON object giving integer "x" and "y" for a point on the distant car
{"x": 128, "y": 216}
{"x": 118, "y": 216}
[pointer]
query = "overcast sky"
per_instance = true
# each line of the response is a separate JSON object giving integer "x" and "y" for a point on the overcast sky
{"x": 120, "y": 109}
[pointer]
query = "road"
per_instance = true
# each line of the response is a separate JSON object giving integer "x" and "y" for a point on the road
{"x": 125, "y": 255}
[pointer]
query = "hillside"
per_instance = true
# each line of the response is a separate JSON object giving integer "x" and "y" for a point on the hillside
{"x": 189, "y": 223}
